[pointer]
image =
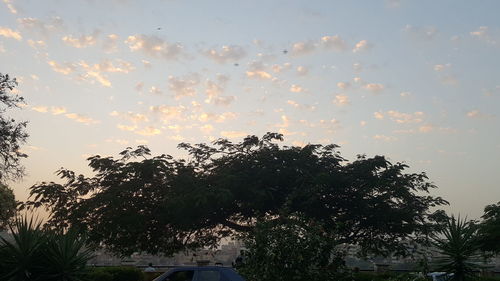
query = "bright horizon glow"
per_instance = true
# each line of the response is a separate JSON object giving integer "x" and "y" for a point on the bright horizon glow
{"x": 416, "y": 81}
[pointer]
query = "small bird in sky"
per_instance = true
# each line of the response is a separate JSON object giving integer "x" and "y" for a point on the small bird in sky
{"x": 236, "y": 64}
{"x": 285, "y": 51}
{"x": 159, "y": 28}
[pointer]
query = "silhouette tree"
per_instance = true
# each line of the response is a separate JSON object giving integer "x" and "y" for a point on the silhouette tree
{"x": 12, "y": 133}
{"x": 162, "y": 204}
{"x": 8, "y": 205}
{"x": 489, "y": 229}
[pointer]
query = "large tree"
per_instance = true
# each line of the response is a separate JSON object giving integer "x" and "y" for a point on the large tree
{"x": 12, "y": 133}
{"x": 489, "y": 229}
{"x": 162, "y": 204}
{"x": 8, "y": 205}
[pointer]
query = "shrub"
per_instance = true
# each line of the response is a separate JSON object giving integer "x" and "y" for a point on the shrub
{"x": 37, "y": 254}
{"x": 116, "y": 273}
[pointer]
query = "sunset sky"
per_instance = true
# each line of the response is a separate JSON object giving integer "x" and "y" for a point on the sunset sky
{"x": 417, "y": 81}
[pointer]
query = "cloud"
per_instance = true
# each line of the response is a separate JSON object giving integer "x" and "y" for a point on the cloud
{"x": 130, "y": 116}
{"x": 405, "y": 94}
{"x": 361, "y": 46}
{"x": 477, "y": 114}
{"x": 110, "y": 43}
{"x": 426, "y": 33}
{"x": 302, "y": 70}
{"x": 449, "y": 79}
{"x": 426, "y": 128}
{"x": 233, "y": 134}
{"x": 207, "y": 128}
{"x": 156, "y": 91}
{"x": 334, "y": 43}
{"x": 167, "y": 113}
{"x": 343, "y": 85}
{"x": 56, "y": 110}
{"x": 64, "y": 68}
{"x": 300, "y": 106}
{"x": 154, "y": 46}
{"x": 374, "y": 87}
{"x": 296, "y": 89}
{"x": 384, "y": 138}
{"x": 10, "y": 6}
{"x": 81, "y": 118}
{"x": 83, "y": 41}
{"x": 302, "y": 48}
{"x": 226, "y": 54}
{"x": 259, "y": 74}
{"x": 399, "y": 117}
{"x": 183, "y": 86}
{"x": 40, "y": 108}
{"x": 38, "y": 26}
{"x": 126, "y": 127}
{"x": 378, "y": 115}
{"x": 341, "y": 100}
{"x": 441, "y": 67}
{"x": 218, "y": 118}
{"x": 214, "y": 90}
{"x": 483, "y": 33}
{"x": 362, "y": 123}
{"x": 9, "y": 33}
{"x": 148, "y": 131}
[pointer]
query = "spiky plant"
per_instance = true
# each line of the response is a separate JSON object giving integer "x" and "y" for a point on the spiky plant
{"x": 457, "y": 243}
{"x": 36, "y": 254}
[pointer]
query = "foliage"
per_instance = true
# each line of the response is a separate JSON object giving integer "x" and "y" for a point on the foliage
{"x": 37, "y": 254}
{"x": 160, "y": 204}
{"x": 290, "y": 249}
{"x": 458, "y": 247}
{"x": 489, "y": 229}
{"x": 8, "y": 205}
{"x": 116, "y": 274}
{"x": 12, "y": 133}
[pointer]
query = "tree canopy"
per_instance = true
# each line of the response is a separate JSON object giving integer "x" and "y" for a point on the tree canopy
{"x": 8, "y": 205}
{"x": 161, "y": 204}
{"x": 12, "y": 133}
{"x": 489, "y": 229}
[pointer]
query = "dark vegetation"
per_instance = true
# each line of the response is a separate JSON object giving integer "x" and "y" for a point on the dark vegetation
{"x": 295, "y": 208}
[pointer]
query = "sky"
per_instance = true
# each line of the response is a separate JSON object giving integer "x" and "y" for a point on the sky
{"x": 416, "y": 81}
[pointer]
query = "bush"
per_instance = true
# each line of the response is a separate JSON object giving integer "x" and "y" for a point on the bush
{"x": 37, "y": 254}
{"x": 117, "y": 273}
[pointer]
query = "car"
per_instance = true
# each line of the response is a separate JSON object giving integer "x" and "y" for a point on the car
{"x": 200, "y": 273}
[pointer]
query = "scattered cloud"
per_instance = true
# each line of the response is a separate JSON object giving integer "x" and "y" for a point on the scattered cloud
{"x": 10, "y": 6}
{"x": 154, "y": 46}
{"x": 334, "y": 43}
{"x": 130, "y": 116}
{"x": 38, "y": 26}
{"x": 302, "y": 48}
{"x": 296, "y": 89}
{"x": 110, "y": 43}
{"x": 154, "y": 90}
{"x": 484, "y": 33}
{"x": 374, "y": 87}
{"x": 341, "y": 100}
{"x": 384, "y": 138}
{"x": 400, "y": 117}
{"x": 148, "y": 131}
{"x": 259, "y": 74}
{"x": 81, "y": 118}
{"x": 167, "y": 113}
{"x": 218, "y": 118}
{"x": 226, "y": 54}
{"x": 302, "y": 70}
{"x": 184, "y": 86}
{"x": 40, "y": 108}
{"x": 9, "y": 33}
{"x": 426, "y": 33}
{"x": 65, "y": 68}
{"x": 343, "y": 85}
{"x": 82, "y": 41}
{"x": 233, "y": 134}
{"x": 361, "y": 46}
